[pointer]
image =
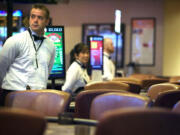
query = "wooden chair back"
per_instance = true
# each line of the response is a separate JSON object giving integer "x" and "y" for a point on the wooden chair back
{"x": 84, "y": 99}
{"x": 156, "y": 89}
{"x": 48, "y": 102}
{"x": 108, "y": 85}
{"x": 111, "y": 101}
{"x": 139, "y": 122}
{"x": 21, "y": 122}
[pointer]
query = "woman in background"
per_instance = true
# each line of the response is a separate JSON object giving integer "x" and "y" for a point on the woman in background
{"x": 76, "y": 75}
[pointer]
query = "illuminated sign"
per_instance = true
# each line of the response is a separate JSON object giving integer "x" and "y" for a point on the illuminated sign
{"x": 56, "y": 34}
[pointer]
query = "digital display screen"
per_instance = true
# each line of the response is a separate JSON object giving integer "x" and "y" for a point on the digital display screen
{"x": 56, "y": 34}
{"x": 17, "y": 23}
{"x": 15, "y": 13}
{"x": 96, "y": 51}
{"x": 3, "y": 35}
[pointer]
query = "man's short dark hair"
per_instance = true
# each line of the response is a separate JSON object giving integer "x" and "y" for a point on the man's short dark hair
{"x": 42, "y": 7}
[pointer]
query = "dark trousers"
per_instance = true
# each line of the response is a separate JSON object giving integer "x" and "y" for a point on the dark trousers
{"x": 76, "y": 92}
{"x": 3, "y": 94}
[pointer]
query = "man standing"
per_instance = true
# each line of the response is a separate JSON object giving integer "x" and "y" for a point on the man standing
{"x": 108, "y": 65}
{"x": 26, "y": 59}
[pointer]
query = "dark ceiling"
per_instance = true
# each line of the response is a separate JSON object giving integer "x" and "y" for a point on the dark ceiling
{"x": 35, "y": 1}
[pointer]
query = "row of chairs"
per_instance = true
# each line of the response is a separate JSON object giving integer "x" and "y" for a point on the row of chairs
{"x": 134, "y": 83}
{"x": 53, "y": 102}
{"x": 150, "y": 120}
{"x": 146, "y": 80}
{"x": 100, "y": 100}
{"x": 152, "y": 90}
{"x": 48, "y": 102}
{"x": 127, "y": 121}
{"x": 84, "y": 101}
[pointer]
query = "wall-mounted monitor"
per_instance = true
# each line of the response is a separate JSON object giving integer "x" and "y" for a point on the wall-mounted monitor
{"x": 107, "y": 31}
{"x": 17, "y": 13}
{"x": 17, "y": 24}
{"x": 56, "y": 34}
{"x": 96, "y": 51}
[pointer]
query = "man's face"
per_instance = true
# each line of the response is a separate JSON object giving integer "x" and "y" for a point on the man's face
{"x": 38, "y": 20}
{"x": 110, "y": 46}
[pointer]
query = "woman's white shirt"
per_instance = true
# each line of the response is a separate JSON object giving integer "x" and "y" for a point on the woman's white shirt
{"x": 76, "y": 77}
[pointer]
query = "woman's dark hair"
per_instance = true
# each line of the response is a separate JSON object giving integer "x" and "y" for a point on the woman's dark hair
{"x": 78, "y": 48}
{"x": 72, "y": 56}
